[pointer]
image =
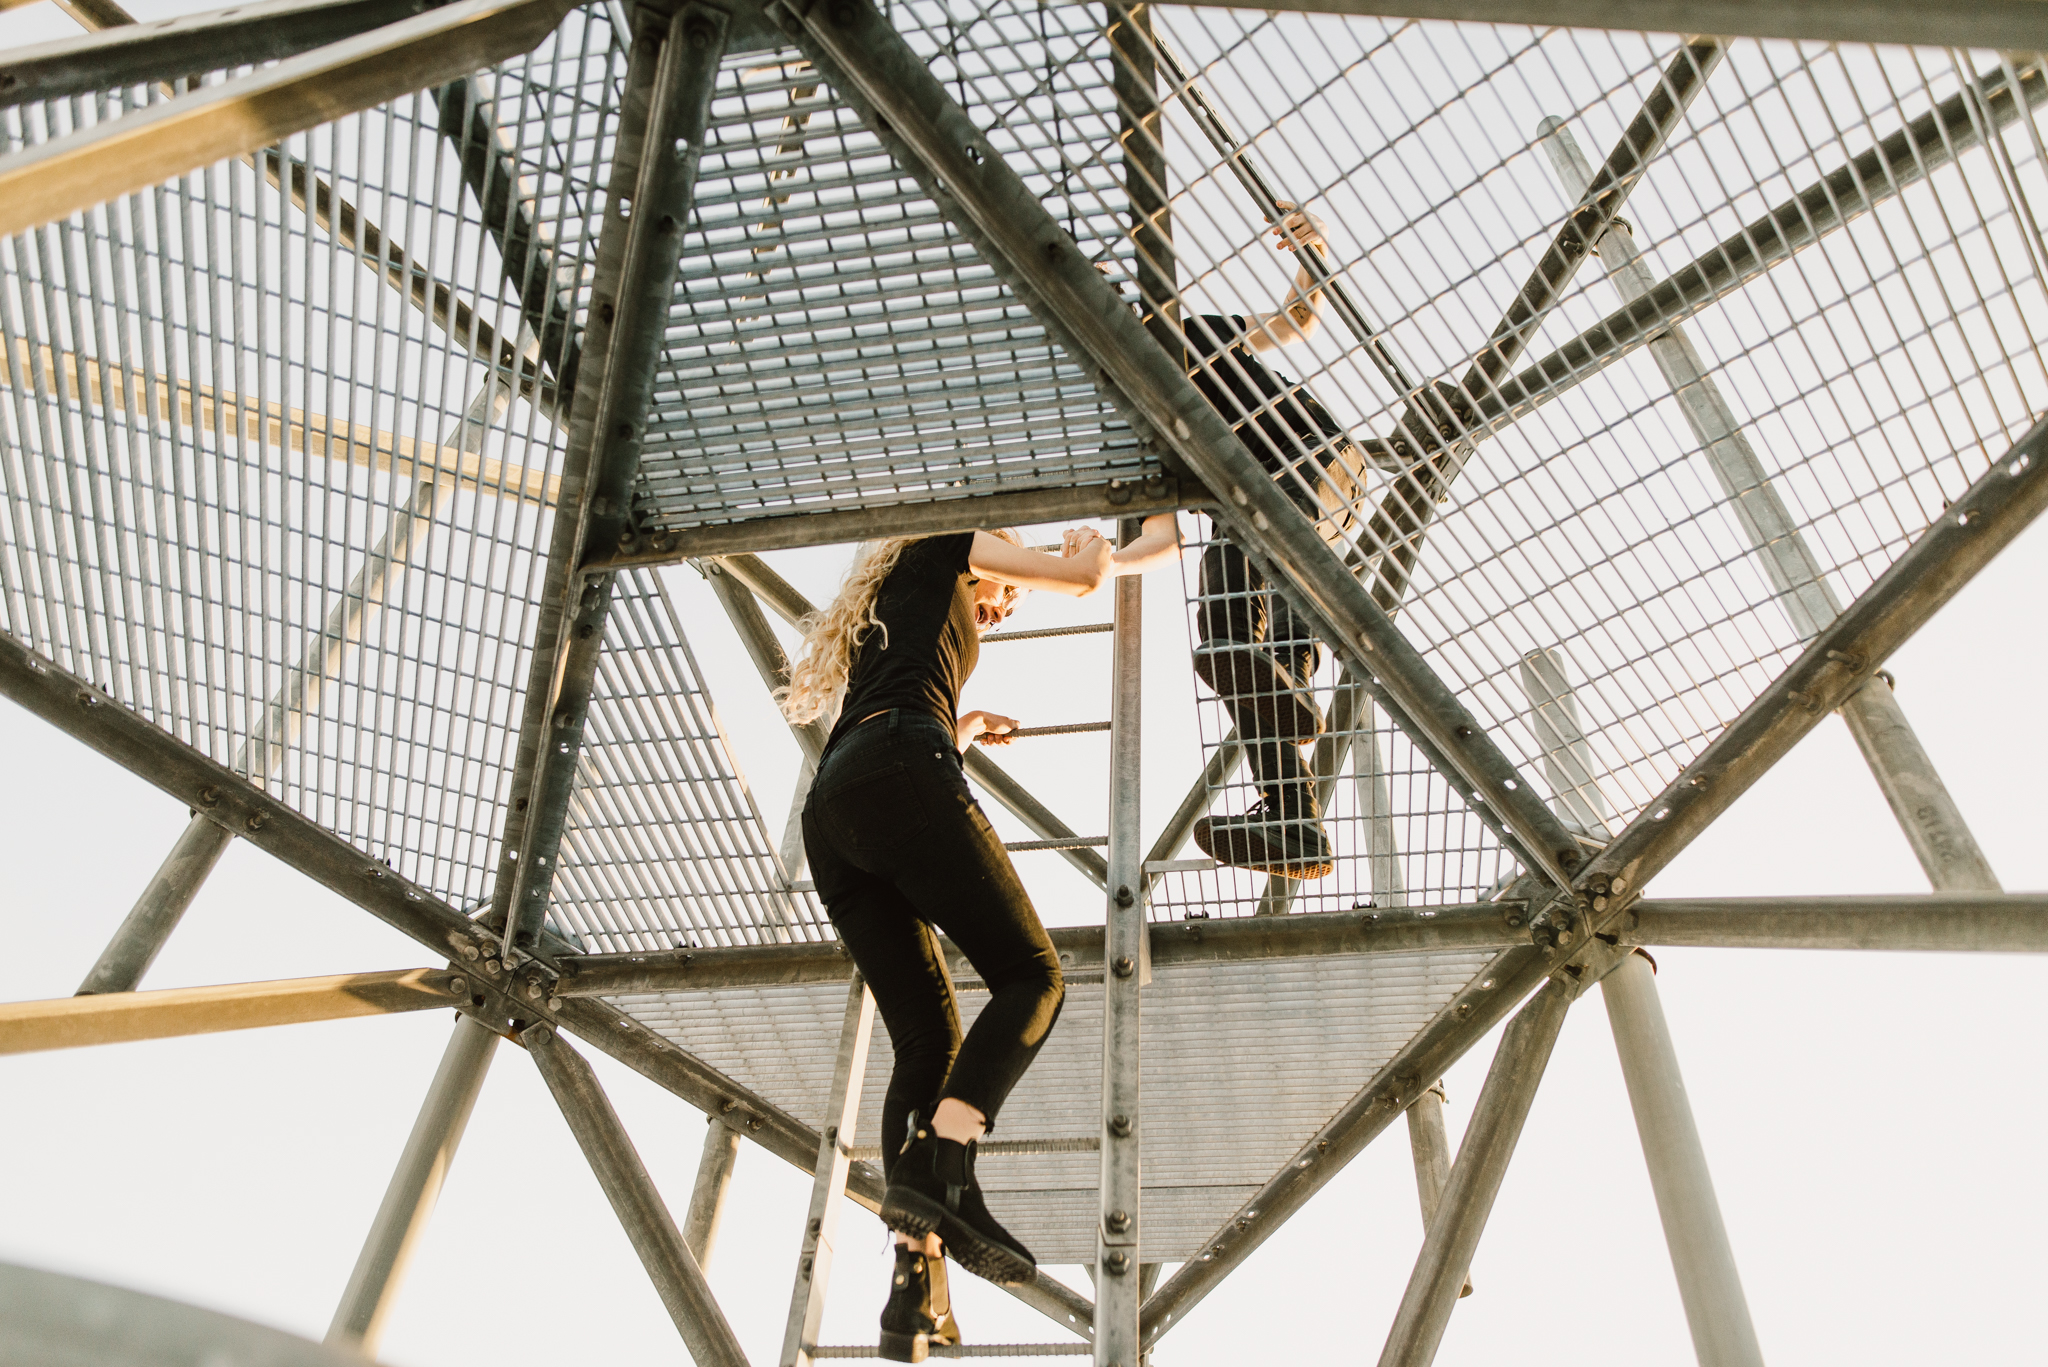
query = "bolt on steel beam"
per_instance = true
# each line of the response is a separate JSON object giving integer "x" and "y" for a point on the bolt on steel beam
{"x": 909, "y": 111}
{"x": 1904, "y": 158}
{"x": 1430, "y": 1146}
{"x": 828, "y": 1185}
{"x": 1708, "y": 1282}
{"x": 1928, "y": 815}
{"x": 665, "y": 109}
{"x": 415, "y": 1187}
{"x": 616, "y": 1163}
{"x": 1497, "y": 1118}
{"x": 240, "y": 116}
{"x": 714, "y": 1181}
{"x": 1119, "y": 1225}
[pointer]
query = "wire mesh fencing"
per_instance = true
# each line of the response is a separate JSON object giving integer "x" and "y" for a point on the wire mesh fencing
{"x": 281, "y": 447}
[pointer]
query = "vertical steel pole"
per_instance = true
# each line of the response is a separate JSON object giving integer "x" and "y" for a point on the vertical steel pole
{"x": 1431, "y": 1147}
{"x": 828, "y": 1185}
{"x": 1928, "y": 815}
{"x": 1376, "y": 807}
{"x": 707, "y": 1198}
{"x": 1567, "y": 754}
{"x": 415, "y": 1187}
{"x": 675, "y": 1274}
{"x": 1117, "y": 1231}
{"x": 157, "y": 912}
{"x": 1446, "y": 1256}
{"x": 1708, "y": 1283}
{"x": 1919, "y": 799}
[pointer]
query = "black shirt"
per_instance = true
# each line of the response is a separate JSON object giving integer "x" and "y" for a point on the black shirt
{"x": 1279, "y": 420}
{"x": 930, "y": 645}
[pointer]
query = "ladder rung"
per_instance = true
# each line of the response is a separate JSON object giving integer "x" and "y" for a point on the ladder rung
{"x": 1091, "y": 629}
{"x": 1072, "y": 842}
{"x": 995, "y": 1148}
{"x": 970, "y": 1350}
{"x": 1076, "y": 729}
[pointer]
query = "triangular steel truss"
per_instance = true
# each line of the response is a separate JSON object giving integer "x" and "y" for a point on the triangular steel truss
{"x": 319, "y": 319}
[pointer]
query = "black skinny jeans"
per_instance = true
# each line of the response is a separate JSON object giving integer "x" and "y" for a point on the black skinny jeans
{"x": 898, "y": 848}
{"x": 1238, "y": 607}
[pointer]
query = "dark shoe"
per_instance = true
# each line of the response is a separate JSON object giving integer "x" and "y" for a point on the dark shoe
{"x": 1265, "y": 840}
{"x": 919, "y": 1314}
{"x": 1248, "y": 677}
{"x": 933, "y": 1187}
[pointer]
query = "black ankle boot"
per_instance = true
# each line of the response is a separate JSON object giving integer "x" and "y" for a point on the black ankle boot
{"x": 919, "y": 1314}
{"x": 933, "y": 1187}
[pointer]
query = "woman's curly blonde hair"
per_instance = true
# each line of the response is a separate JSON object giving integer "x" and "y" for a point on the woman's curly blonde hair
{"x": 831, "y": 636}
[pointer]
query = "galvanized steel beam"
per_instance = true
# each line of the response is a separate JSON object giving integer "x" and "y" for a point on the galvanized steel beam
{"x": 119, "y": 1017}
{"x": 1987, "y": 923}
{"x": 1708, "y": 1282}
{"x": 1867, "y": 180}
{"x": 492, "y": 175}
{"x": 123, "y": 53}
{"x": 1497, "y": 1118}
{"x": 1970, "y": 531}
{"x": 665, "y": 108}
{"x": 148, "y": 146}
{"x": 838, "y": 526}
{"x": 415, "y": 1188}
{"x": 935, "y": 140}
{"x": 771, "y": 662}
{"x": 2014, "y": 25}
{"x": 1119, "y": 1223}
{"x": 707, "y": 1196}
{"x": 1477, "y": 925}
{"x": 828, "y": 1180}
{"x": 675, "y": 1274}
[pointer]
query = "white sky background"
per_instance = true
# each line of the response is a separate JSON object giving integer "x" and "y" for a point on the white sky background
{"x": 1870, "y": 1118}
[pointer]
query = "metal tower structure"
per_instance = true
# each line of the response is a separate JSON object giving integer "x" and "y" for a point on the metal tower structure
{"x": 368, "y": 362}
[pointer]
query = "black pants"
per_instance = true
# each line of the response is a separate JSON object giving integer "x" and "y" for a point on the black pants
{"x": 899, "y": 849}
{"x": 1238, "y": 607}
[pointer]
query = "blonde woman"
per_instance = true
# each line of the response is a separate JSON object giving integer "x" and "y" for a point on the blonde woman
{"x": 900, "y": 850}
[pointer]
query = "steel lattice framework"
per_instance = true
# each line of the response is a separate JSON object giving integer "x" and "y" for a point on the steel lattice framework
{"x": 366, "y": 361}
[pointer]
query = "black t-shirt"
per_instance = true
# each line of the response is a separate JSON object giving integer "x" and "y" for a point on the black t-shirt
{"x": 930, "y": 645}
{"x": 1279, "y": 420}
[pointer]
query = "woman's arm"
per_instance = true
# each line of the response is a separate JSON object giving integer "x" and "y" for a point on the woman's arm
{"x": 1157, "y": 543}
{"x": 1297, "y": 232}
{"x": 1076, "y": 575}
